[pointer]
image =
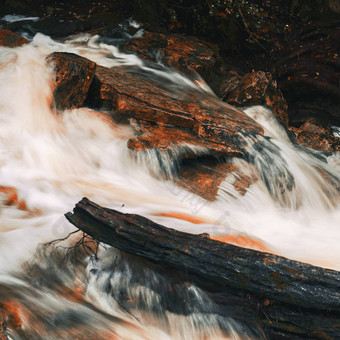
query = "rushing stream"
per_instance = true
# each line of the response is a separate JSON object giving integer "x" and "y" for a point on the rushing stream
{"x": 54, "y": 159}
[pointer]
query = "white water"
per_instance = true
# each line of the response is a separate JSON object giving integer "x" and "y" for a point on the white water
{"x": 16, "y": 18}
{"x": 53, "y": 160}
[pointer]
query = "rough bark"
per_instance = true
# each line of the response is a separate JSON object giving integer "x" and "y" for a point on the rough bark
{"x": 289, "y": 298}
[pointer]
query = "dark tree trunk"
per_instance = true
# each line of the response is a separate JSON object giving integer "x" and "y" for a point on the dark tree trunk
{"x": 287, "y": 298}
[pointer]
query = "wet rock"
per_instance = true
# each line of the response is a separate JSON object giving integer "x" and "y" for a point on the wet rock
{"x": 204, "y": 180}
{"x": 229, "y": 84}
{"x": 255, "y": 88}
{"x": 316, "y": 126}
{"x": 319, "y": 141}
{"x": 177, "y": 117}
{"x": 241, "y": 184}
{"x": 178, "y": 51}
{"x": 73, "y": 77}
{"x": 187, "y": 125}
{"x": 200, "y": 117}
{"x": 168, "y": 138}
{"x": 317, "y": 135}
{"x": 204, "y": 177}
{"x": 134, "y": 97}
{"x": 10, "y": 39}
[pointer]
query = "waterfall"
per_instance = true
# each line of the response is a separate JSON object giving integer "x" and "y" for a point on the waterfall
{"x": 51, "y": 160}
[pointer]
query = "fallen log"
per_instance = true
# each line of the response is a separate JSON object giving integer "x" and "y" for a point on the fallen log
{"x": 288, "y": 299}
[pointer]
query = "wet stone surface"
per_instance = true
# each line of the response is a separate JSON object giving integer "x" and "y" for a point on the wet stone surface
{"x": 255, "y": 88}
{"x": 10, "y": 39}
{"x": 73, "y": 77}
{"x": 187, "y": 54}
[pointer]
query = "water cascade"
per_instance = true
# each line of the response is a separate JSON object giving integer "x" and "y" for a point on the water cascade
{"x": 50, "y": 160}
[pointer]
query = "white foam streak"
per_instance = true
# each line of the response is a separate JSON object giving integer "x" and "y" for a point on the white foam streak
{"x": 16, "y": 18}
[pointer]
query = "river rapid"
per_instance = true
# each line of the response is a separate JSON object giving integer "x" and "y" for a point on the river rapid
{"x": 54, "y": 159}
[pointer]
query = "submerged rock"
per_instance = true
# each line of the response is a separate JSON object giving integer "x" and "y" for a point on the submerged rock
{"x": 255, "y": 88}
{"x": 204, "y": 179}
{"x": 73, "y": 77}
{"x": 10, "y": 39}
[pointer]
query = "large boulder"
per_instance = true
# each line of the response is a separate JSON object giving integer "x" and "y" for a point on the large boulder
{"x": 73, "y": 77}
{"x": 10, "y": 39}
{"x": 195, "y": 130}
{"x": 255, "y": 88}
{"x": 175, "y": 118}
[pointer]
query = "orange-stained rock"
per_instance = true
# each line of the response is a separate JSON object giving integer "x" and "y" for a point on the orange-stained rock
{"x": 327, "y": 143}
{"x": 167, "y": 119}
{"x": 11, "y": 39}
{"x": 132, "y": 96}
{"x": 314, "y": 125}
{"x": 317, "y": 135}
{"x": 166, "y": 138}
{"x": 204, "y": 179}
{"x": 73, "y": 77}
{"x": 198, "y": 116}
{"x": 136, "y": 97}
{"x": 178, "y": 51}
{"x": 255, "y": 88}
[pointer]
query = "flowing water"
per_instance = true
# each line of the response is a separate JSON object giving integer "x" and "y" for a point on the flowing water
{"x": 54, "y": 159}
